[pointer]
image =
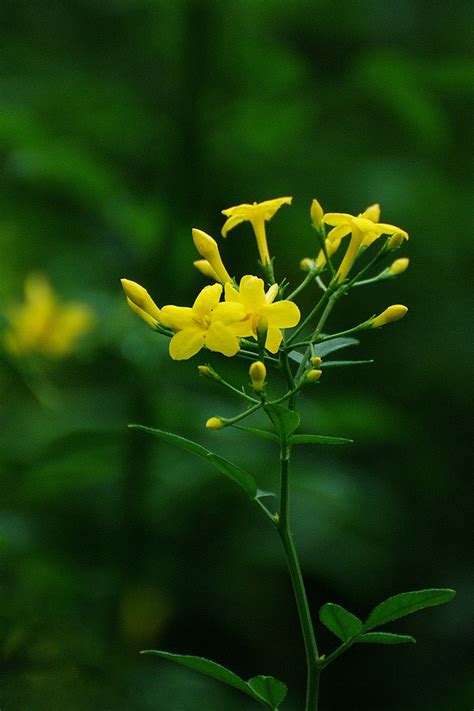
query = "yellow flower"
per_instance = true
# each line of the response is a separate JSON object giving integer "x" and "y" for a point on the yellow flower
{"x": 257, "y": 304}
{"x": 256, "y": 213}
{"x": 214, "y": 423}
{"x": 313, "y": 376}
{"x": 141, "y": 303}
{"x": 367, "y": 222}
{"x": 392, "y": 313}
{"x": 363, "y": 229}
{"x": 317, "y": 214}
{"x": 207, "y": 323}
{"x": 207, "y": 248}
{"x": 331, "y": 248}
{"x": 42, "y": 325}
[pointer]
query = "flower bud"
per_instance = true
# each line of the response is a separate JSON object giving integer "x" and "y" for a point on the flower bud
{"x": 313, "y": 376}
{"x": 392, "y": 313}
{"x": 316, "y": 361}
{"x": 141, "y": 302}
{"x": 331, "y": 248}
{"x": 307, "y": 264}
{"x": 214, "y": 423}
{"x": 208, "y": 372}
{"x": 395, "y": 241}
{"x": 258, "y": 373}
{"x": 207, "y": 248}
{"x": 203, "y": 266}
{"x": 317, "y": 215}
{"x": 398, "y": 266}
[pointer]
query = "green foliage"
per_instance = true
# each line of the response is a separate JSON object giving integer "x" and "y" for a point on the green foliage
{"x": 284, "y": 420}
{"x": 265, "y": 689}
{"x": 341, "y": 622}
{"x": 234, "y": 472}
{"x": 405, "y": 604}
{"x": 384, "y": 638}
{"x": 317, "y": 439}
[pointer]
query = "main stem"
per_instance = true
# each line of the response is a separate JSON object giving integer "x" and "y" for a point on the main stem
{"x": 311, "y": 649}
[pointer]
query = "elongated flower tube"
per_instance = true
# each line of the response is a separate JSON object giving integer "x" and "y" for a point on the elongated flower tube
{"x": 257, "y": 304}
{"x": 141, "y": 303}
{"x": 392, "y": 313}
{"x": 256, "y": 213}
{"x": 207, "y": 248}
{"x": 207, "y": 323}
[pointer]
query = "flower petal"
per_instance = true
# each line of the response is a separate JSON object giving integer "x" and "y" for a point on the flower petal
{"x": 252, "y": 292}
{"x": 274, "y": 338}
{"x": 207, "y": 299}
{"x": 231, "y": 293}
{"x": 391, "y": 230}
{"x": 230, "y": 223}
{"x": 177, "y": 317}
{"x": 271, "y": 293}
{"x": 186, "y": 343}
{"x": 228, "y": 312}
{"x": 221, "y": 339}
{"x": 337, "y": 233}
{"x": 372, "y": 212}
{"x": 337, "y": 218}
{"x": 281, "y": 314}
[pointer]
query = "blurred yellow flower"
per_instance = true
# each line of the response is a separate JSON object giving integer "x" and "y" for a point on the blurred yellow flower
{"x": 207, "y": 323}
{"x": 367, "y": 222}
{"x": 256, "y": 213}
{"x": 257, "y": 305}
{"x": 44, "y": 326}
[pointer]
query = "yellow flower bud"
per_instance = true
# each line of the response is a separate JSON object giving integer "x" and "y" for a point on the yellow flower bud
{"x": 207, "y": 248}
{"x": 258, "y": 373}
{"x": 316, "y": 360}
{"x": 141, "y": 302}
{"x": 398, "y": 266}
{"x": 209, "y": 372}
{"x": 372, "y": 213}
{"x": 317, "y": 214}
{"x": 307, "y": 264}
{"x": 331, "y": 248}
{"x": 203, "y": 266}
{"x": 392, "y": 313}
{"x": 395, "y": 241}
{"x": 313, "y": 376}
{"x": 214, "y": 423}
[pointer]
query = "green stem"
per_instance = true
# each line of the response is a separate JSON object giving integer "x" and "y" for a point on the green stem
{"x": 311, "y": 649}
{"x": 324, "y": 661}
{"x": 324, "y": 298}
{"x": 308, "y": 278}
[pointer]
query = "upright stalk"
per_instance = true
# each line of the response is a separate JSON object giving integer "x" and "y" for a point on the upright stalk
{"x": 311, "y": 649}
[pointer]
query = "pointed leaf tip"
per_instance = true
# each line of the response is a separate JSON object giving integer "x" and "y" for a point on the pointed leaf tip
{"x": 340, "y": 621}
{"x": 406, "y": 603}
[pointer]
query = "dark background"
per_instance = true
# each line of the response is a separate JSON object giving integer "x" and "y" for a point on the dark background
{"x": 123, "y": 124}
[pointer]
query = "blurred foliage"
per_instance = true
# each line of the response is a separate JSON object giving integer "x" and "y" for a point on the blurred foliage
{"x": 124, "y": 123}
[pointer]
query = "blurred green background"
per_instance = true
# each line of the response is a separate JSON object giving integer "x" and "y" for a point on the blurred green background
{"x": 123, "y": 124}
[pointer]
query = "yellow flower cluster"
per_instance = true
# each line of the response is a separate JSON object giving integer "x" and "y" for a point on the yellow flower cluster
{"x": 248, "y": 309}
{"x": 42, "y": 325}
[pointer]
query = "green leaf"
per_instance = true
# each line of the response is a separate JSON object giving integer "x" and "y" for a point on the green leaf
{"x": 270, "y": 689}
{"x": 265, "y": 689}
{"x": 335, "y": 344}
{"x": 406, "y": 603}
{"x": 317, "y": 439}
{"x": 384, "y": 638}
{"x": 343, "y": 363}
{"x": 263, "y": 434}
{"x": 284, "y": 420}
{"x": 340, "y": 621}
{"x": 238, "y": 475}
{"x": 261, "y": 494}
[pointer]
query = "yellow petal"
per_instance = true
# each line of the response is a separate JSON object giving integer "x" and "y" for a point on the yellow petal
{"x": 271, "y": 294}
{"x": 391, "y": 230}
{"x": 274, "y": 338}
{"x": 372, "y": 213}
{"x": 207, "y": 299}
{"x": 228, "y": 312}
{"x": 337, "y": 218}
{"x": 230, "y": 223}
{"x": 281, "y": 314}
{"x": 337, "y": 233}
{"x": 221, "y": 339}
{"x": 186, "y": 343}
{"x": 177, "y": 317}
{"x": 252, "y": 292}
{"x": 231, "y": 293}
